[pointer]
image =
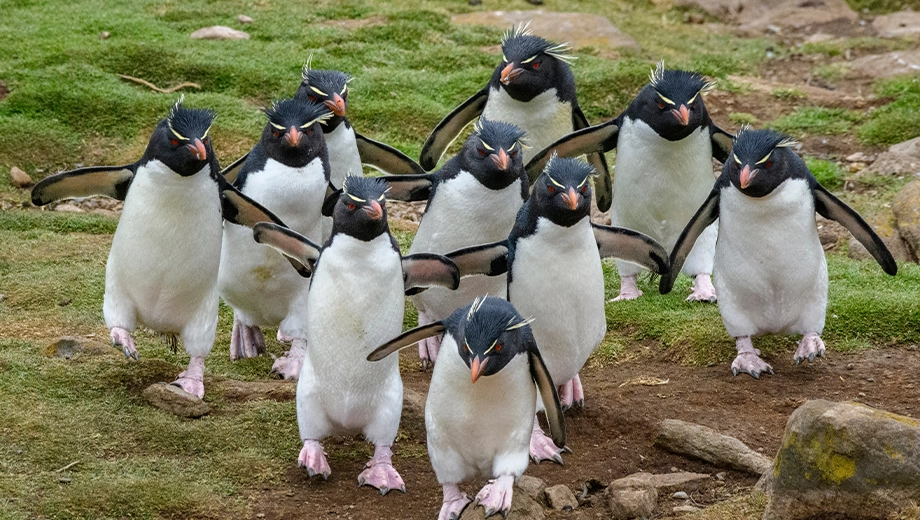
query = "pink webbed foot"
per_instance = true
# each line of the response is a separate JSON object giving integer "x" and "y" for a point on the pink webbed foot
{"x": 246, "y": 341}
{"x": 703, "y": 290}
{"x": 122, "y": 338}
{"x": 455, "y": 501}
{"x": 192, "y": 379}
{"x": 428, "y": 348}
{"x": 283, "y": 338}
{"x": 629, "y": 290}
{"x": 380, "y": 473}
{"x": 571, "y": 393}
{"x": 748, "y": 360}
{"x": 288, "y": 366}
{"x": 542, "y": 447}
{"x": 313, "y": 459}
{"x": 496, "y": 496}
{"x": 810, "y": 347}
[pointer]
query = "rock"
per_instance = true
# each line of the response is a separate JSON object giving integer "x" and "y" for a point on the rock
{"x": 666, "y": 483}
{"x": 910, "y": 147}
{"x": 885, "y": 65}
{"x": 71, "y": 347}
{"x": 561, "y": 498}
{"x": 837, "y": 458}
{"x": 781, "y": 16}
{"x": 578, "y": 29}
{"x": 522, "y": 506}
{"x": 68, "y": 207}
{"x": 104, "y": 35}
{"x": 242, "y": 391}
{"x": 885, "y": 224}
{"x": 859, "y": 157}
{"x": 243, "y": 19}
{"x": 720, "y": 8}
{"x": 630, "y": 499}
{"x": 219, "y": 32}
{"x": 897, "y": 25}
{"x": 830, "y": 232}
{"x": 906, "y": 211}
{"x": 889, "y": 163}
{"x": 707, "y": 444}
{"x": 680, "y": 495}
{"x": 533, "y": 486}
{"x": 175, "y": 400}
{"x": 685, "y": 509}
{"x": 20, "y": 178}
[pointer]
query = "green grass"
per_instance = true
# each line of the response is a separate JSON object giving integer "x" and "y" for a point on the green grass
{"x": 828, "y": 173}
{"x": 899, "y": 120}
{"x": 817, "y": 121}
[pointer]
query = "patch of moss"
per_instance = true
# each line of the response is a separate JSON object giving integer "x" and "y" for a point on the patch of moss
{"x": 897, "y": 121}
{"x": 828, "y": 173}
{"x": 817, "y": 120}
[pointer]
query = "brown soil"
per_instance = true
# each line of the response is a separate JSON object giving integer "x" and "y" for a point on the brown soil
{"x": 613, "y": 436}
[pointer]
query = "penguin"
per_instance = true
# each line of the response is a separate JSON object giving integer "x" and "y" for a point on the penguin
{"x": 482, "y": 400}
{"x": 162, "y": 268}
{"x": 771, "y": 273}
{"x": 553, "y": 263}
{"x": 288, "y": 171}
{"x": 355, "y": 303}
{"x": 665, "y": 143}
{"x": 472, "y": 199}
{"x": 533, "y": 88}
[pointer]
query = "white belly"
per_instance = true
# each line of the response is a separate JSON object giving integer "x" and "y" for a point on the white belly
{"x": 770, "y": 272}
{"x": 544, "y": 118}
{"x": 557, "y": 279}
{"x": 344, "y": 159}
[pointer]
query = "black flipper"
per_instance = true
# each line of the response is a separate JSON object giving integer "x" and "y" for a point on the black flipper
{"x": 409, "y": 188}
{"x": 450, "y": 127}
{"x": 549, "y": 396}
{"x": 297, "y": 248}
{"x": 830, "y": 207}
{"x": 406, "y": 339}
{"x": 231, "y": 172}
{"x": 721, "y": 142}
{"x": 386, "y": 158}
{"x": 332, "y": 196}
{"x": 603, "y": 186}
{"x": 594, "y": 139}
{"x": 631, "y": 246}
{"x": 488, "y": 259}
{"x": 112, "y": 181}
{"x": 706, "y": 215}
{"x": 240, "y": 209}
{"x": 423, "y": 270}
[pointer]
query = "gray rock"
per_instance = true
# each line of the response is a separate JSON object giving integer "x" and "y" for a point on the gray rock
{"x": 886, "y": 65}
{"x": 72, "y": 347}
{"x": 578, "y": 29}
{"x": 561, "y": 498}
{"x": 707, "y": 444}
{"x": 897, "y": 25}
{"x": 19, "y": 178}
{"x": 219, "y": 32}
{"x": 666, "y": 483}
{"x": 533, "y": 486}
{"x": 243, "y": 391}
{"x": 630, "y": 499}
{"x": 68, "y": 207}
{"x": 889, "y": 163}
{"x": 782, "y": 16}
{"x": 885, "y": 224}
{"x": 176, "y": 401}
{"x": 720, "y": 8}
{"x": 243, "y": 19}
{"x": 910, "y": 147}
{"x": 522, "y": 506}
{"x": 680, "y": 495}
{"x": 685, "y": 509}
{"x": 837, "y": 458}
{"x": 906, "y": 210}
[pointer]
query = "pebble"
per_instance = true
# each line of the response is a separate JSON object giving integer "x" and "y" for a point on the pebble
{"x": 20, "y": 178}
{"x": 104, "y": 35}
{"x": 720, "y": 476}
{"x": 686, "y": 509}
{"x": 64, "y": 480}
{"x": 680, "y": 495}
{"x": 870, "y": 379}
{"x": 260, "y": 515}
{"x": 244, "y": 19}
{"x": 861, "y": 394}
{"x": 850, "y": 366}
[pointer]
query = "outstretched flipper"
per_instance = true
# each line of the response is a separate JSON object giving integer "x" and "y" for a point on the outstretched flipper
{"x": 706, "y": 215}
{"x": 594, "y": 139}
{"x": 488, "y": 259}
{"x": 409, "y": 188}
{"x": 830, "y": 207}
{"x": 631, "y": 246}
{"x": 407, "y": 339}
{"x": 549, "y": 396}
{"x": 233, "y": 171}
{"x": 450, "y": 127}
{"x": 298, "y": 249}
{"x": 721, "y": 142}
{"x": 603, "y": 185}
{"x": 111, "y": 181}
{"x": 386, "y": 158}
{"x": 240, "y": 209}
{"x": 423, "y": 270}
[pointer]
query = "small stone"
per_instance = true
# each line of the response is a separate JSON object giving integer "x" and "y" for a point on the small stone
{"x": 20, "y": 178}
{"x": 104, "y": 35}
{"x": 176, "y": 400}
{"x": 674, "y": 469}
{"x": 64, "y": 480}
{"x": 720, "y": 476}
{"x": 561, "y": 498}
{"x": 219, "y": 32}
{"x": 850, "y": 366}
{"x": 243, "y": 19}
{"x": 630, "y": 502}
{"x": 857, "y": 157}
{"x": 260, "y": 515}
{"x": 533, "y": 486}
{"x": 861, "y": 394}
{"x": 290, "y": 493}
{"x": 65, "y": 303}
{"x": 870, "y": 379}
{"x": 686, "y": 509}
{"x": 857, "y": 167}
{"x": 68, "y": 207}
{"x": 680, "y": 495}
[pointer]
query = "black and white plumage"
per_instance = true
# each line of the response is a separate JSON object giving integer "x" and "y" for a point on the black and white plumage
{"x": 472, "y": 199}
{"x": 355, "y": 303}
{"x": 533, "y": 88}
{"x": 481, "y": 402}
{"x": 288, "y": 173}
{"x": 665, "y": 142}
{"x": 771, "y": 272}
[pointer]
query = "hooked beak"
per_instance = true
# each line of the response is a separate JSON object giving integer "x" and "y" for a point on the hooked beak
{"x": 477, "y": 366}
{"x": 374, "y": 211}
{"x": 747, "y": 175}
{"x": 509, "y": 73}
{"x": 682, "y": 115}
{"x": 293, "y": 136}
{"x": 198, "y": 150}
{"x": 501, "y": 159}
{"x": 336, "y": 105}
{"x": 571, "y": 198}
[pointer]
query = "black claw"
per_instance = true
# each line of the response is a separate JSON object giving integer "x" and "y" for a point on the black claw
{"x": 811, "y": 358}
{"x": 384, "y": 490}
{"x": 557, "y": 459}
{"x": 424, "y": 365}
{"x": 361, "y": 482}
{"x": 735, "y": 372}
{"x": 403, "y": 489}
{"x": 566, "y": 449}
{"x": 755, "y": 375}
{"x": 326, "y": 476}
{"x": 310, "y": 472}
{"x": 797, "y": 360}
{"x": 770, "y": 371}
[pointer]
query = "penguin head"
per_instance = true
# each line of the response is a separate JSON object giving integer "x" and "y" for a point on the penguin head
{"x": 361, "y": 211}
{"x": 562, "y": 193}
{"x": 327, "y": 87}
{"x": 493, "y": 153}
{"x": 182, "y": 141}
{"x": 493, "y": 333}
{"x": 672, "y": 102}
{"x": 294, "y": 135}
{"x": 532, "y": 65}
{"x": 761, "y": 160}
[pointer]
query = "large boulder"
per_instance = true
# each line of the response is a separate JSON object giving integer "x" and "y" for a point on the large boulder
{"x": 758, "y": 16}
{"x": 897, "y": 25}
{"x": 885, "y": 65}
{"x": 847, "y": 460}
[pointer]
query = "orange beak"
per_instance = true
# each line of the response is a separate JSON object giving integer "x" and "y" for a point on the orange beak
{"x": 198, "y": 150}
{"x": 747, "y": 175}
{"x": 476, "y": 368}
{"x": 293, "y": 136}
{"x": 682, "y": 115}
{"x": 336, "y": 105}
{"x": 571, "y": 198}
{"x": 374, "y": 211}
{"x": 509, "y": 73}
{"x": 501, "y": 159}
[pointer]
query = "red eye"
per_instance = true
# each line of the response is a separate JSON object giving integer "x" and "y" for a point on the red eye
{"x": 312, "y": 98}
{"x": 310, "y": 132}
{"x": 536, "y": 65}
{"x": 174, "y": 142}
{"x": 769, "y": 164}
{"x": 350, "y": 206}
{"x": 276, "y": 133}
{"x": 482, "y": 153}
{"x": 498, "y": 348}
{"x": 513, "y": 154}
{"x": 551, "y": 189}
{"x": 584, "y": 189}
{"x": 660, "y": 105}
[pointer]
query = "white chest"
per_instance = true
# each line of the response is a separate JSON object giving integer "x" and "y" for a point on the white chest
{"x": 295, "y": 195}
{"x": 545, "y": 118}
{"x": 344, "y": 159}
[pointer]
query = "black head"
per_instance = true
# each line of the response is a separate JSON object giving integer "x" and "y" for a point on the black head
{"x": 182, "y": 141}
{"x": 672, "y": 102}
{"x": 531, "y": 65}
{"x": 761, "y": 160}
{"x": 562, "y": 193}
{"x": 493, "y": 153}
{"x": 327, "y": 87}
{"x": 361, "y": 211}
{"x": 294, "y": 135}
{"x": 490, "y": 334}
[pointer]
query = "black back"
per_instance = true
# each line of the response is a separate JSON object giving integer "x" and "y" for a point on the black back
{"x": 666, "y": 91}
{"x": 543, "y": 64}
{"x": 174, "y": 137}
